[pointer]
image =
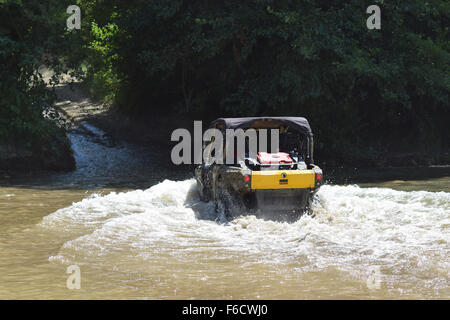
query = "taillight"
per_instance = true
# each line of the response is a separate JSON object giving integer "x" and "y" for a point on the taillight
{"x": 318, "y": 176}
{"x": 246, "y": 178}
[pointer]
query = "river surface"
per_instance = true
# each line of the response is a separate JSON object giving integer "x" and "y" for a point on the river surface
{"x": 136, "y": 229}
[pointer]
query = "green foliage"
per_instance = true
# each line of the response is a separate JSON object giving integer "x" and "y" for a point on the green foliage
{"x": 27, "y": 40}
{"x": 100, "y": 74}
{"x": 95, "y": 50}
{"x": 366, "y": 92}
{"x": 387, "y": 89}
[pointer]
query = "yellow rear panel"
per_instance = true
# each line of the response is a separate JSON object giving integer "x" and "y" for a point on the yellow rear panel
{"x": 279, "y": 179}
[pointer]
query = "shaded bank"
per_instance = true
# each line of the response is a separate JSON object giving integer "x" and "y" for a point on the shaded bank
{"x": 56, "y": 155}
{"x": 156, "y": 132}
{"x": 45, "y": 149}
{"x": 81, "y": 115}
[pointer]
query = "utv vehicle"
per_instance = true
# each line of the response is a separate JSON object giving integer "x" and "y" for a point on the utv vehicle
{"x": 280, "y": 183}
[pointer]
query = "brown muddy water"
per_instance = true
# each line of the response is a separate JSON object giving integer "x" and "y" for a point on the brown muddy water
{"x": 137, "y": 230}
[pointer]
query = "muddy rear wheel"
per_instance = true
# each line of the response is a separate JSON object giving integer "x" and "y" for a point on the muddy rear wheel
{"x": 223, "y": 203}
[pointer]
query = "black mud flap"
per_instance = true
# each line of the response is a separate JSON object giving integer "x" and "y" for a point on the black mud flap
{"x": 286, "y": 205}
{"x": 282, "y": 199}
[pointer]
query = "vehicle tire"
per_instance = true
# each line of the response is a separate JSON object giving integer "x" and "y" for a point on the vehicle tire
{"x": 201, "y": 193}
{"x": 223, "y": 203}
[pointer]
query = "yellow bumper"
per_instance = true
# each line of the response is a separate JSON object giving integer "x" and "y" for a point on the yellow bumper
{"x": 279, "y": 179}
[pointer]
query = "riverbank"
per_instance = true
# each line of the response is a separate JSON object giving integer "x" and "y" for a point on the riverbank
{"x": 83, "y": 114}
{"x": 80, "y": 109}
{"x": 46, "y": 149}
{"x": 156, "y": 132}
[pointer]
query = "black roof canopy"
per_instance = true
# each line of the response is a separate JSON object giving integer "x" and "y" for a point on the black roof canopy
{"x": 297, "y": 123}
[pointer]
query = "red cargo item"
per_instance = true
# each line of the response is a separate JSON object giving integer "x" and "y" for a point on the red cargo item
{"x": 273, "y": 158}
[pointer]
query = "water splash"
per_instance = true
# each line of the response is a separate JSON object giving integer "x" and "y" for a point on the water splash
{"x": 404, "y": 233}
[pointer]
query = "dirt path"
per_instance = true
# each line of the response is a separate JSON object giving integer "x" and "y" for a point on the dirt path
{"x": 108, "y": 126}
{"x": 76, "y": 104}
